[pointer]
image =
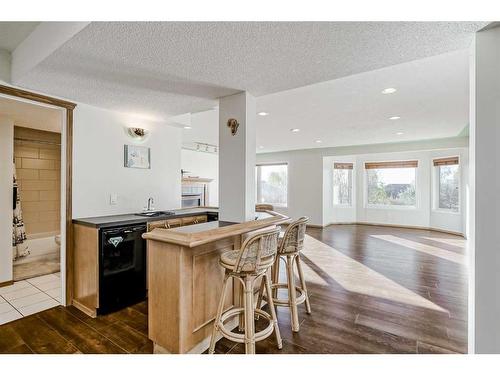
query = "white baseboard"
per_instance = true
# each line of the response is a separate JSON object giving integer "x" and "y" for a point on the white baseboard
{"x": 397, "y": 226}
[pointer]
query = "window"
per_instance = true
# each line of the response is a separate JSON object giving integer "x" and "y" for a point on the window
{"x": 448, "y": 183}
{"x": 272, "y": 184}
{"x": 342, "y": 183}
{"x": 391, "y": 183}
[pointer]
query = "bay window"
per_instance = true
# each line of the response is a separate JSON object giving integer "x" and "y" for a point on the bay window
{"x": 391, "y": 183}
{"x": 272, "y": 184}
{"x": 448, "y": 184}
{"x": 342, "y": 184}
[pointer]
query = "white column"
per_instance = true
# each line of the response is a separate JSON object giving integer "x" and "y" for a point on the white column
{"x": 237, "y": 158}
{"x": 47, "y": 38}
{"x": 484, "y": 301}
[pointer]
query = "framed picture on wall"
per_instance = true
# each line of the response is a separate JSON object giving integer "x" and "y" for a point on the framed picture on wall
{"x": 137, "y": 157}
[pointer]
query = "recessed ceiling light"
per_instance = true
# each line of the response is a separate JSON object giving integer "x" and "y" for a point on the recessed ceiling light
{"x": 389, "y": 90}
{"x": 399, "y": 133}
{"x": 263, "y": 113}
{"x": 295, "y": 130}
{"x": 394, "y": 118}
{"x": 261, "y": 147}
{"x": 187, "y": 127}
{"x": 318, "y": 141}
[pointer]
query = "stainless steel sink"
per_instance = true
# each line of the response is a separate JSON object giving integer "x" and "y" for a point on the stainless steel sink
{"x": 155, "y": 213}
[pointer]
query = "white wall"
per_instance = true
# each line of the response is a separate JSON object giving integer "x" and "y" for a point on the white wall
{"x": 424, "y": 215}
{"x": 308, "y": 179}
{"x": 4, "y": 65}
{"x": 485, "y": 138}
{"x": 6, "y": 191}
{"x": 305, "y": 183}
{"x": 204, "y": 127}
{"x": 98, "y": 139}
{"x": 206, "y": 165}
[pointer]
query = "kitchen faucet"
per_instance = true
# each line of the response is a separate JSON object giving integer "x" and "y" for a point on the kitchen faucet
{"x": 150, "y": 204}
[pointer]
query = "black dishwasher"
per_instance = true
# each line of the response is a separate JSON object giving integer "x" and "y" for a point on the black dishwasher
{"x": 122, "y": 267}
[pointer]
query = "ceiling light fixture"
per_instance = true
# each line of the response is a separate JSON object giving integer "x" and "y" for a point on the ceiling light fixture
{"x": 394, "y": 118}
{"x": 187, "y": 127}
{"x": 389, "y": 90}
{"x": 263, "y": 113}
{"x": 399, "y": 133}
{"x": 318, "y": 141}
{"x": 261, "y": 147}
{"x": 295, "y": 130}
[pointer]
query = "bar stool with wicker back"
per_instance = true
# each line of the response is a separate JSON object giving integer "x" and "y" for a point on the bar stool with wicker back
{"x": 253, "y": 260}
{"x": 289, "y": 248}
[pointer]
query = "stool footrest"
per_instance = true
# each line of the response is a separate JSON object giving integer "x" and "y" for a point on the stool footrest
{"x": 240, "y": 337}
{"x": 284, "y": 302}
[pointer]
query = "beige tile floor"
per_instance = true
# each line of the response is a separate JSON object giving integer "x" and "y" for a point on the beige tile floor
{"x": 29, "y": 296}
{"x": 35, "y": 268}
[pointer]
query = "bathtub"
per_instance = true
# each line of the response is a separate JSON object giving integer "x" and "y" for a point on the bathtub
{"x": 44, "y": 246}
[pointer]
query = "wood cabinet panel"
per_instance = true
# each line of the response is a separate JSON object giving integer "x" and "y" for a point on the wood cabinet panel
{"x": 208, "y": 277}
{"x": 174, "y": 223}
{"x": 201, "y": 219}
{"x": 164, "y": 310}
{"x": 86, "y": 275}
{"x": 189, "y": 220}
{"x": 156, "y": 224}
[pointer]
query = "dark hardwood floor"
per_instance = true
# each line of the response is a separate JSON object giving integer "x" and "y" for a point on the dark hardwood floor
{"x": 372, "y": 290}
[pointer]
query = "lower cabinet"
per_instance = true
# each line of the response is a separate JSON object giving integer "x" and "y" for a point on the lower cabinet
{"x": 174, "y": 223}
{"x": 86, "y": 288}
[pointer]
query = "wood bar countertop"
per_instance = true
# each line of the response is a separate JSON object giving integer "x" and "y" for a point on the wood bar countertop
{"x": 200, "y": 234}
{"x": 185, "y": 280}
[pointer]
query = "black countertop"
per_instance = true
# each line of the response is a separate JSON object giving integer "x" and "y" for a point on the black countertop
{"x": 131, "y": 219}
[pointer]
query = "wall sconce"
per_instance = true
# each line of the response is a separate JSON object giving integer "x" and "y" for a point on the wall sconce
{"x": 233, "y": 125}
{"x": 138, "y": 134}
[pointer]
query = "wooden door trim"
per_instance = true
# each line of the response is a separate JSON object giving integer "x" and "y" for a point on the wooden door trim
{"x": 19, "y": 93}
{"x": 68, "y": 106}
{"x": 6, "y": 283}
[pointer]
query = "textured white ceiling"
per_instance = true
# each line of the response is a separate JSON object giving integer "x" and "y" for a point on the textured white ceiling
{"x": 13, "y": 33}
{"x": 431, "y": 99}
{"x": 31, "y": 115}
{"x": 158, "y": 70}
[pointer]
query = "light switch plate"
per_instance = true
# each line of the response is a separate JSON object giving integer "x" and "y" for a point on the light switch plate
{"x": 113, "y": 199}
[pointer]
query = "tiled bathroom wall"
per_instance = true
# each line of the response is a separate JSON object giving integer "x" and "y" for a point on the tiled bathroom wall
{"x": 38, "y": 167}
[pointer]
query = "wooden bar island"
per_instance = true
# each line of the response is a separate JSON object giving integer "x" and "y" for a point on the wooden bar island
{"x": 185, "y": 280}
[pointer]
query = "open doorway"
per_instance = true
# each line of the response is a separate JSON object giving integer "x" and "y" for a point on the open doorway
{"x": 37, "y": 199}
{"x": 36, "y": 209}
